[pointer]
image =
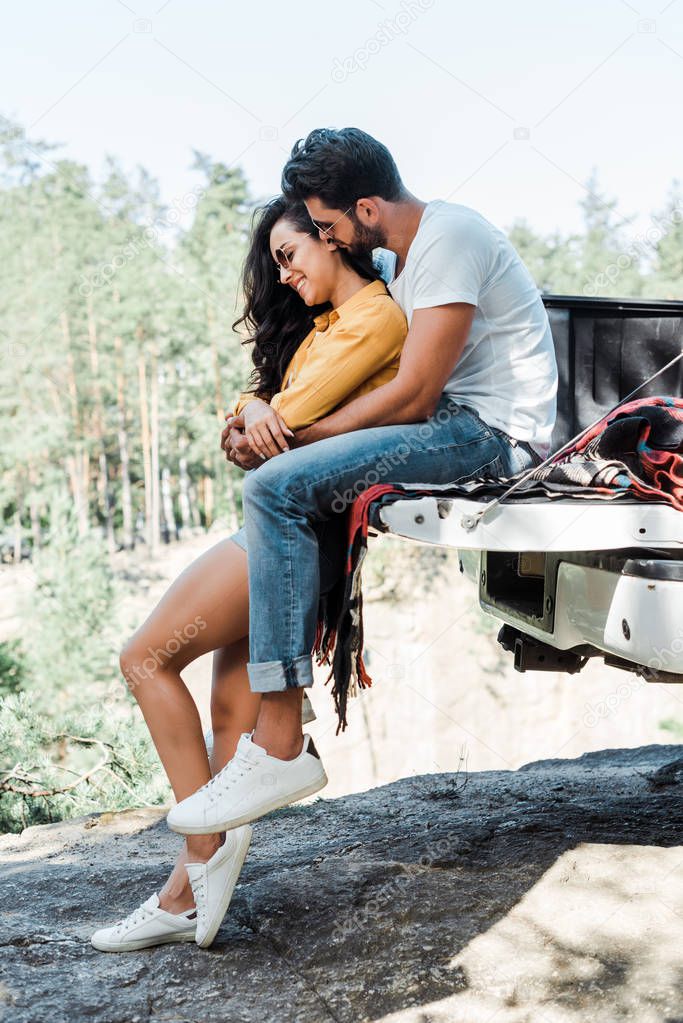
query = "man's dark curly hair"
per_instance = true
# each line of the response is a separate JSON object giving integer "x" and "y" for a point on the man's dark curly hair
{"x": 340, "y": 166}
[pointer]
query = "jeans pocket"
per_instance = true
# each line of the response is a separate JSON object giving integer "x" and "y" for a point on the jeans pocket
{"x": 468, "y": 426}
{"x": 517, "y": 458}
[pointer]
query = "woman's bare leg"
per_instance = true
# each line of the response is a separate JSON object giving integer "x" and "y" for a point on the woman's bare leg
{"x": 234, "y": 709}
{"x": 206, "y": 608}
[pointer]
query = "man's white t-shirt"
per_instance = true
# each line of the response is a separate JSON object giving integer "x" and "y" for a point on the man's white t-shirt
{"x": 507, "y": 371}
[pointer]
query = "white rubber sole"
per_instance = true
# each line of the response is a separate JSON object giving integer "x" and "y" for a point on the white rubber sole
{"x": 252, "y": 815}
{"x": 222, "y": 905}
{"x": 133, "y": 946}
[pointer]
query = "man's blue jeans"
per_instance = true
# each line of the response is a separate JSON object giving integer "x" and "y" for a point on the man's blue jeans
{"x": 288, "y": 499}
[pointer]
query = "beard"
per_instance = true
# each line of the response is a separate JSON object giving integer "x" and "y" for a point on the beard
{"x": 366, "y": 239}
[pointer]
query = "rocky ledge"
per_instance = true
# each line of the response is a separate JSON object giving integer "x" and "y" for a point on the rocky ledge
{"x": 552, "y": 894}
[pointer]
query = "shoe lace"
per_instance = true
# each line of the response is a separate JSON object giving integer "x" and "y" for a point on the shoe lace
{"x": 199, "y": 892}
{"x": 237, "y": 768}
{"x": 138, "y": 916}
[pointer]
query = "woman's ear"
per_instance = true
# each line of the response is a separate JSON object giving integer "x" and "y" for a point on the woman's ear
{"x": 331, "y": 245}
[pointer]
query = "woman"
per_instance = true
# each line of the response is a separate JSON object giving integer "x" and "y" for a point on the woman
{"x": 324, "y": 330}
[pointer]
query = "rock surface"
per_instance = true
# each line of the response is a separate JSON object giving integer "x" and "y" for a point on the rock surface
{"x": 551, "y": 894}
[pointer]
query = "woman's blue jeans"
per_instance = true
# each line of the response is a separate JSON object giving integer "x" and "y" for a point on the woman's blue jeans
{"x": 291, "y": 500}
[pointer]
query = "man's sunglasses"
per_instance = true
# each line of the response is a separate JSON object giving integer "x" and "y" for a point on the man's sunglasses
{"x": 325, "y": 228}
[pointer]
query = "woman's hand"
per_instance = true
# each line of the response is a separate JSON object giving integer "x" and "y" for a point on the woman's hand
{"x": 265, "y": 429}
{"x": 236, "y": 446}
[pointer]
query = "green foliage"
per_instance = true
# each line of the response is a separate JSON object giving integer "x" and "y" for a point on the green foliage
{"x": 117, "y": 352}
{"x": 71, "y": 739}
{"x": 12, "y": 667}
{"x": 607, "y": 259}
{"x": 668, "y": 232}
{"x": 80, "y": 760}
{"x": 71, "y": 634}
{"x": 673, "y": 726}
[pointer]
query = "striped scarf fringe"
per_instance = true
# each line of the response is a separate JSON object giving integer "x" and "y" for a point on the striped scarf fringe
{"x": 339, "y": 634}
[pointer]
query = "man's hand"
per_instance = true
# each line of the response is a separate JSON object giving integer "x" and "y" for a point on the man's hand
{"x": 236, "y": 446}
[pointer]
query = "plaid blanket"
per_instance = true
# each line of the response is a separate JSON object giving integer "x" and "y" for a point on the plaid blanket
{"x": 633, "y": 454}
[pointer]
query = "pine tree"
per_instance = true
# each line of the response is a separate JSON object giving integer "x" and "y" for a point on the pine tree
{"x": 667, "y": 272}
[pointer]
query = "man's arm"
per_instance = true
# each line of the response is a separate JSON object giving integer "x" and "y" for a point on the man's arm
{"x": 434, "y": 344}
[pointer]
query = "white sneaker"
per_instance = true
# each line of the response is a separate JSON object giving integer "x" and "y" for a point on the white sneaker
{"x": 249, "y": 786}
{"x": 307, "y": 715}
{"x": 146, "y": 926}
{"x": 213, "y": 883}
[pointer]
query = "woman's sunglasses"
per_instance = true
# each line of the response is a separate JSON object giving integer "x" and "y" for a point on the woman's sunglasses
{"x": 282, "y": 262}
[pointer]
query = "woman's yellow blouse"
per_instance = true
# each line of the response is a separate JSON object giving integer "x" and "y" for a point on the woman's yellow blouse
{"x": 351, "y": 350}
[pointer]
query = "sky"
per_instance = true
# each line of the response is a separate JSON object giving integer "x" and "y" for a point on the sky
{"x": 503, "y": 107}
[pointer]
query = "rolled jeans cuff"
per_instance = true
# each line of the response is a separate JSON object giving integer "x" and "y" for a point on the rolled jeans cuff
{"x": 277, "y": 676}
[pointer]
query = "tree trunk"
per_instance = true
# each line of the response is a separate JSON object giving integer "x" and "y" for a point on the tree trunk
{"x": 17, "y": 536}
{"x": 215, "y": 362}
{"x": 222, "y": 482}
{"x": 74, "y": 471}
{"x": 103, "y": 496}
{"x": 207, "y": 500}
{"x": 79, "y": 461}
{"x": 194, "y": 507}
{"x": 34, "y": 508}
{"x": 183, "y": 474}
{"x": 231, "y": 498}
{"x": 170, "y": 526}
{"x": 106, "y": 500}
{"x": 126, "y": 493}
{"x": 34, "y": 512}
{"x": 183, "y": 486}
{"x": 146, "y": 448}
{"x": 154, "y": 445}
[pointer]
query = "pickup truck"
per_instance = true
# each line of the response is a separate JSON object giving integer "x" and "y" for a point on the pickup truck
{"x": 570, "y": 579}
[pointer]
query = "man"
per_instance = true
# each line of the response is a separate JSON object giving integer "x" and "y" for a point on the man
{"x": 475, "y": 393}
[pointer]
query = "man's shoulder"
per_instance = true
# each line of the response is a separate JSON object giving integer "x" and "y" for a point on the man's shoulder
{"x": 453, "y": 218}
{"x": 446, "y": 231}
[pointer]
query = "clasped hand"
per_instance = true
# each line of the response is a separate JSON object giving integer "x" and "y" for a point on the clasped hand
{"x": 257, "y": 434}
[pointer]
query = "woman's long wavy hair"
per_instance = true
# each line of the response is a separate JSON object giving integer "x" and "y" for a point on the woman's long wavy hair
{"x": 275, "y": 318}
